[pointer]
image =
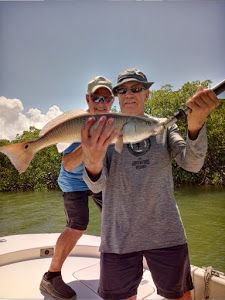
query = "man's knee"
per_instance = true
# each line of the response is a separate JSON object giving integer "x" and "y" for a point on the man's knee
{"x": 74, "y": 232}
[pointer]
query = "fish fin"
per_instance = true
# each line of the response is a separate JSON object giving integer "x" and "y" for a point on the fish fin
{"x": 20, "y": 154}
{"x": 119, "y": 144}
{"x": 62, "y": 118}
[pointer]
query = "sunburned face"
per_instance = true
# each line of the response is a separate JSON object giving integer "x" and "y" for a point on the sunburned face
{"x": 102, "y": 106}
{"x": 132, "y": 102}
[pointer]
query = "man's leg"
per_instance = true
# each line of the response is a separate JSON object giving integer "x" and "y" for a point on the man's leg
{"x": 170, "y": 269}
{"x": 131, "y": 298}
{"x": 120, "y": 275}
{"x": 98, "y": 201}
{"x": 77, "y": 212}
{"x": 65, "y": 243}
{"x": 186, "y": 296}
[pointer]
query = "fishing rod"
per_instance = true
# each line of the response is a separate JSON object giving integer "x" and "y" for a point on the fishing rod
{"x": 217, "y": 89}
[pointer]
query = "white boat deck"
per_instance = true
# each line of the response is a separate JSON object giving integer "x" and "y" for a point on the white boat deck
{"x": 25, "y": 258}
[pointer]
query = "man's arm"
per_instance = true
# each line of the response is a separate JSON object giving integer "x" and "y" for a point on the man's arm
{"x": 190, "y": 155}
{"x": 73, "y": 159}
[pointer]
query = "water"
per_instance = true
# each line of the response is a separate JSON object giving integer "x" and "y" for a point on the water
{"x": 38, "y": 212}
{"x": 203, "y": 215}
{"x": 202, "y": 211}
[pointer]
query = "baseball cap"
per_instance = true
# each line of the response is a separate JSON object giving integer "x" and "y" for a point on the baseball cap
{"x": 132, "y": 74}
{"x": 99, "y": 82}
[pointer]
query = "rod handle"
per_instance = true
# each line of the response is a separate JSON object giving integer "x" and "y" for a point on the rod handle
{"x": 219, "y": 88}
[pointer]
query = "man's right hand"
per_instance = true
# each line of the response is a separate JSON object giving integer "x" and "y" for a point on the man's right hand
{"x": 95, "y": 142}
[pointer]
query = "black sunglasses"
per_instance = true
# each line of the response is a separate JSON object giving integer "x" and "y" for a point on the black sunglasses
{"x": 103, "y": 99}
{"x": 133, "y": 89}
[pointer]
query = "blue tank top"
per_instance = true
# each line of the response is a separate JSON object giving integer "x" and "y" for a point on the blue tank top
{"x": 72, "y": 181}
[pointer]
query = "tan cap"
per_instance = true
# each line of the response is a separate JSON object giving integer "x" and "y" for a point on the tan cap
{"x": 99, "y": 82}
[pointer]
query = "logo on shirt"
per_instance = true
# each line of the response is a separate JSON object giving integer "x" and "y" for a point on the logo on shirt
{"x": 140, "y": 148}
{"x": 140, "y": 164}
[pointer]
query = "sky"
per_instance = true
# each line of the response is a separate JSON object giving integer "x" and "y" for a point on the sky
{"x": 49, "y": 50}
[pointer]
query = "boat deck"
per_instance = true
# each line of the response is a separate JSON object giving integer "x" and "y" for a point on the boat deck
{"x": 25, "y": 258}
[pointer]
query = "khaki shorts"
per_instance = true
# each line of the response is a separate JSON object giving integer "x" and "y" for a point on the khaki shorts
{"x": 121, "y": 274}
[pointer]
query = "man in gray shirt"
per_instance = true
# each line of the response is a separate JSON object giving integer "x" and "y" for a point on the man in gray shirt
{"x": 139, "y": 215}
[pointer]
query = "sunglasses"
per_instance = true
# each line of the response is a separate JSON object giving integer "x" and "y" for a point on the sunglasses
{"x": 103, "y": 99}
{"x": 133, "y": 89}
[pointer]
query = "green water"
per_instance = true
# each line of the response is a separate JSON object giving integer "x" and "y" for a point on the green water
{"x": 202, "y": 211}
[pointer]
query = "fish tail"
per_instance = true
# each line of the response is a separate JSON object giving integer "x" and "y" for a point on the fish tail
{"x": 19, "y": 154}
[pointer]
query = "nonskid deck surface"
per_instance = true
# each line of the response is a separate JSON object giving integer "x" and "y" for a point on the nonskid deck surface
{"x": 20, "y": 278}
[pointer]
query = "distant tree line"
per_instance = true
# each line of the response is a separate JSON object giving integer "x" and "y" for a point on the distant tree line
{"x": 43, "y": 171}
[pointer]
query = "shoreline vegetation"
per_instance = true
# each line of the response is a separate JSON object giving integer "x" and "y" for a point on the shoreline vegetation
{"x": 43, "y": 171}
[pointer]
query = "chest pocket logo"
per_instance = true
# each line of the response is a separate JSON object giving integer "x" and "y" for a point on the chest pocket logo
{"x": 140, "y": 148}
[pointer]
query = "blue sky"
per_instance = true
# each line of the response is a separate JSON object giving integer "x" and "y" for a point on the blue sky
{"x": 49, "y": 50}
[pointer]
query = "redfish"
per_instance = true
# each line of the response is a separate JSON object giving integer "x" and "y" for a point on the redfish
{"x": 66, "y": 128}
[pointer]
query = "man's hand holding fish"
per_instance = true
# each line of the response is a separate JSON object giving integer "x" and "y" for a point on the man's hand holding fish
{"x": 95, "y": 143}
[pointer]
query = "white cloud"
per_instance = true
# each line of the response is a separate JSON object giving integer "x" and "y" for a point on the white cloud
{"x": 13, "y": 119}
{"x": 38, "y": 119}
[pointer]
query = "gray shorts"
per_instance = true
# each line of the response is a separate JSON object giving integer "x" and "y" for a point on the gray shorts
{"x": 121, "y": 274}
{"x": 77, "y": 210}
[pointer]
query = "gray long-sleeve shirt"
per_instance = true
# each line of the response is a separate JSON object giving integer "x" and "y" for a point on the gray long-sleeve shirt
{"x": 139, "y": 209}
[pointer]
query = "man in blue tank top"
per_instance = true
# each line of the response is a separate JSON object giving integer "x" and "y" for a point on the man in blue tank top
{"x": 75, "y": 193}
